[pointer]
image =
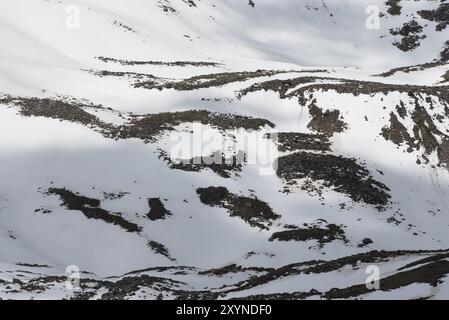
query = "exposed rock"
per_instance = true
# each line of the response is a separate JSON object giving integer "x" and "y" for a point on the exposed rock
{"x": 252, "y": 210}
{"x": 343, "y": 174}
{"x": 296, "y": 141}
{"x": 323, "y": 235}
{"x": 439, "y": 15}
{"x": 394, "y": 7}
{"x": 327, "y": 122}
{"x": 216, "y": 162}
{"x": 91, "y": 208}
{"x": 157, "y": 209}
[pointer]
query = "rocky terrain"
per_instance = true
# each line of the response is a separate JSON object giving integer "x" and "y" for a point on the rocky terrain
{"x": 173, "y": 149}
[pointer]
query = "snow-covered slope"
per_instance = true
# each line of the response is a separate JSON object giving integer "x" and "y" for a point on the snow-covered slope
{"x": 327, "y": 123}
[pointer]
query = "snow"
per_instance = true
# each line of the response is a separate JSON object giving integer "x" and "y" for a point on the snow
{"x": 41, "y": 57}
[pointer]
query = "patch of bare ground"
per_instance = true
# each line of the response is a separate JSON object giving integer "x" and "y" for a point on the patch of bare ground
{"x": 125, "y": 62}
{"x": 344, "y": 175}
{"x": 129, "y": 286}
{"x": 438, "y": 62}
{"x": 280, "y": 86}
{"x": 159, "y": 248}
{"x": 296, "y": 141}
{"x": 232, "y": 268}
{"x": 326, "y": 122}
{"x": 147, "y": 127}
{"x": 282, "y": 296}
{"x": 394, "y": 7}
{"x": 397, "y": 133}
{"x": 320, "y": 266}
{"x": 165, "y": 5}
{"x": 133, "y": 75}
{"x": 430, "y": 273}
{"x": 88, "y": 286}
{"x": 251, "y": 210}
{"x": 414, "y": 68}
{"x": 340, "y": 85}
{"x": 431, "y": 269}
{"x": 55, "y": 109}
{"x": 411, "y": 33}
{"x": 424, "y": 135}
{"x": 150, "y": 127}
{"x": 208, "y": 80}
{"x": 439, "y": 15}
{"x": 157, "y": 210}
{"x": 91, "y": 208}
{"x": 315, "y": 231}
{"x": 223, "y": 166}
{"x": 114, "y": 195}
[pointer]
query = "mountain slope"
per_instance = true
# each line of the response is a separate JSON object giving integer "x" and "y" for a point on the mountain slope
{"x": 210, "y": 149}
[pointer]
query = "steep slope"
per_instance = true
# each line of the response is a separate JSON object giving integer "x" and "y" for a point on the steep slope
{"x": 223, "y": 149}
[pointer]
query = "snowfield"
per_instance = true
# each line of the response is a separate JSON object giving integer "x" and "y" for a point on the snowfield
{"x": 187, "y": 149}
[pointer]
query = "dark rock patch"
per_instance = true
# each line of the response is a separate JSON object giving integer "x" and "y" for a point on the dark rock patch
{"x": 439, "y": 15}
{"x": 345, "y": 175}
{"x": 159, "y": 248}
{"x": 157, "y": 210}
{"x": 327, "y": 122}
{"x": 424, "y": 129}
{"x": 444, "y": 54}
{"x": 397, "y": 133}
{"x": 394, "y": 7}
{"x": 159, "y": 63}
{"x": 55, "y": 109}
{"x": 252, "y": 210}
{"x": 424, "y": 134}
{"x": 282, "y": 296}
{"x": 411, "y": 33}
{"x": 339, "y": 85}
{"x": 128, "y": 286}
{"x": 216, "y": 162}
{"x": 150, "y": 127}
{"x": 145, "y": 127}
{"x": 431, "y": 273}
{"x": 323, "y": 235}
{"x": 91, "y": 208}
{"x": 232, "y": 268}
{"x": 114, "y": 195}
{"x": 365, "y": 242}
{"x": 280, "y": 86}
{"x": 443, "y": 152}
{"x": 320, "y": 266}
{"x": 208, "y": 80}
{"x": 296, "y": 141}
{"x": 32, "y": 265}
{"x": 401, "y": 110}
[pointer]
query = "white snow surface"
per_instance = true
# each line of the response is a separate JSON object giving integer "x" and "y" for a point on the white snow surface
{"x": 42, "y": 57}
